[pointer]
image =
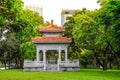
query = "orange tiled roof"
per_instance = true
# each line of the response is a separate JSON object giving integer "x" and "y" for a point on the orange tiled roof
{"x": 51, "y": 40}
{"x": 52, "y": 28}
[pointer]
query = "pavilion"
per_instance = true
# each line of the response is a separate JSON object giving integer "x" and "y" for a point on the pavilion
{"x": 52, "y": 40}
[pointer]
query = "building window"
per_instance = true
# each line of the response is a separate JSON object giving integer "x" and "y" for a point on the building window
{"x": 66, "y": 12}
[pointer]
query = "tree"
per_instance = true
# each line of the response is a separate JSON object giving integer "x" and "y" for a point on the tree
{"x": 110, "y": 17}
{"x": 88, "y": 34}
{"x": 9, "y": 50}
{"x": 30, "y": 22}
{"x": 69, "y": 26}
{"x": 86, "y": 57}
{"x": 85, "y": 33}
{"x": 74, "y": 51}
{"x": 21, "y": 22}
{"x": 27, "y": 50}
{"x": 82, "y": 28}
{"x": 98, "y": 31}
{"x": 85, "y": 30}
{"x": 9, "y": 11}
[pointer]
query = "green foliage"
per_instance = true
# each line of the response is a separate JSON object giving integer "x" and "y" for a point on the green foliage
{"x": 86, "y": 57}
{"x": 94, "y": 31}
{"x": 27, "y": 50}
{"x": 10, "y": 46}
{"x": 109, "y": 18}
{"x": 9, "y": 49}
{"x": 69, "y": 27}
{"x": 23, "y": 23}
{"x": 73, "y": 52}
{"x": 2, "y": 21}
{"x": 85, "y": 30}
{"x": 29, "y": 22}
{"x": 82, "y": 27}
{"x": 10, "y": 9}
{"x": 98, "y": 31}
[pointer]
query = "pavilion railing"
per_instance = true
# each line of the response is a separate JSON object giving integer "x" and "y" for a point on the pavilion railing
{"x": 30, "y": 63}
{"x": 74, "y": 63}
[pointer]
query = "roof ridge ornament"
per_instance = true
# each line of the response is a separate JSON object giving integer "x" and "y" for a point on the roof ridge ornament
{"x": 52, "y": 23}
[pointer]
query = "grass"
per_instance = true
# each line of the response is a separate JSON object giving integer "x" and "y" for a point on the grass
{"x": 84, "y": 74}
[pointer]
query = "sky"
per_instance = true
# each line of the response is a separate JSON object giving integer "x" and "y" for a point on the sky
{"x": 52, "y": 8}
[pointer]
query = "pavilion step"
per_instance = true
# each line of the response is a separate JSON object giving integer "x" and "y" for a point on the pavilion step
{"x": 51, "y": 68}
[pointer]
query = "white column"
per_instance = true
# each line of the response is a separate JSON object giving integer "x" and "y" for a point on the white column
{"x": 44, "y": 59}
{"x": 44, "y": 56}
{"x": 59, "y": 57}
{"x": 66, "y": 55}
{"x": 37, "y": 55}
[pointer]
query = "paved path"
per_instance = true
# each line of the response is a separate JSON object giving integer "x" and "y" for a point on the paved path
{"x": 3, "y": 68}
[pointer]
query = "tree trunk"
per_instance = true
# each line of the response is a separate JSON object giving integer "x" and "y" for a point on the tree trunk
{"x": 21, "y": 63}
{"x": 116, "y": 54}
{"x": 97, "y": 60}
{"x": 5, "y": 65}
{"x": 9, "y": 61}
{"x": 5, "y": 62}
{"x": 16, "y": 63}
{"x": 105, "y": 58}
{"x": 85, "y": 65}
{"x": 110, "y": 65}
{"x": 104, "y": 65}
{"x": 118, "y": 65}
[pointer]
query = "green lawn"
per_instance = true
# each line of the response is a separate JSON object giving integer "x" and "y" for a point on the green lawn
{"x": 84, "y": 74}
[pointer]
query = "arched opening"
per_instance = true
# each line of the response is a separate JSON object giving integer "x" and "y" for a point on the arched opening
{"x": 41, "y": 55}
{"x": 52, "y": 56}
{"x": 62, "y": 55}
